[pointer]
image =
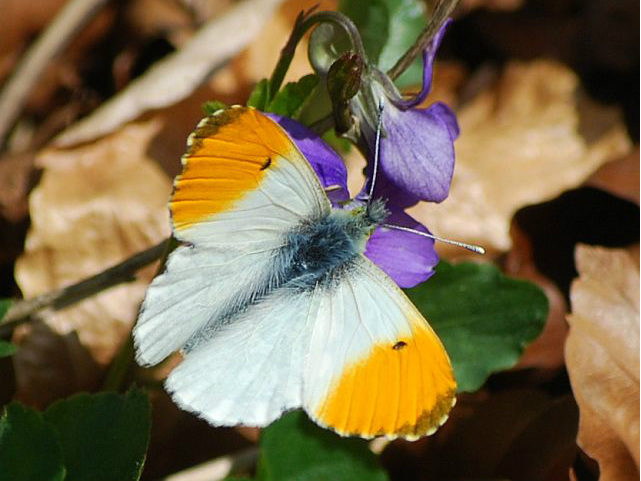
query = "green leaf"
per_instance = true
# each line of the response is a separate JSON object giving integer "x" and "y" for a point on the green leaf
{"x": 259, "y": 96}
{"x": 213, "y": 106}
{"x": 4, "y": 307}
{"x": 484, "y": 318}
{"x": 29, "y": 449}
{"x": 295, "y": 449}
{"x": 388, "y": 29}
{"x": 291, "y": 99}
{"x": 7, "y": 349}
{"x": 103, "y": 436}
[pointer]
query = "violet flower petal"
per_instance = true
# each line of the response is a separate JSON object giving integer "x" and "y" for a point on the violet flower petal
{"x": 429, "y": 55}
{"x": 407, "y": 258}
{"x": 417, "y": 154}
{"x": 327, "y": 164}
{"x": 385, "y": 189}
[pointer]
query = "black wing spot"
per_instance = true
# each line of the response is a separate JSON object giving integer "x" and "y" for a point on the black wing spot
{"x": 267, "y": 163}
{"x": 399, "y": 345}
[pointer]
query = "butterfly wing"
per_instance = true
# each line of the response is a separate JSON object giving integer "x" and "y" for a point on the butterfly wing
{"x": 244, "y": 185}
{"x": 243, "y": 182}
{"x": 354, "y": 352}
{"x": 251, "y": 371}
{"x": 375, "y": 366}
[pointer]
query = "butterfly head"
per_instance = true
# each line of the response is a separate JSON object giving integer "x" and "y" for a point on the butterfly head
{"x": 365, "y": 218}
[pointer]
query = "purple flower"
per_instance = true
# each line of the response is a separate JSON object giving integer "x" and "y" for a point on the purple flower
{"x": 417, "y": 148}
{"x": 407, "y": 258}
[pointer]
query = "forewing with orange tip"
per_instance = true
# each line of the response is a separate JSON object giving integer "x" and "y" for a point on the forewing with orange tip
{"x": 243, "y": 181}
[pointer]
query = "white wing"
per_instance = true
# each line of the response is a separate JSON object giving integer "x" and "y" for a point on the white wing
{"x": 251, "y": 370}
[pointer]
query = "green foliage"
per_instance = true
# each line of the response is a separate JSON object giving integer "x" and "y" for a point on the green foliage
{"x": 295, "y": 449}
{"x": 213, "y": 106}
{"x": 29, "y": 448}
{"x": 4, "y": 307}
{"x": 484, "y": 318}
{"x": 291, "y": 99}
{"x": 259, "y": 97}
{"x": 388, "y": 29}
{"x": 87, "y": 436}
{"x": 6, "y": 348}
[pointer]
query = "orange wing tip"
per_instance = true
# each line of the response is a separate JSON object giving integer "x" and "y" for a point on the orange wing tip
{"x": 426, "y": 424}
{"x": 209, "y": 125}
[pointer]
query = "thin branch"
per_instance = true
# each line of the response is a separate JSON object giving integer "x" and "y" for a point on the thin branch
{"x": 71, "y": 19}
{"x": 441, "y": 12}
{"x": 22, "y": 311}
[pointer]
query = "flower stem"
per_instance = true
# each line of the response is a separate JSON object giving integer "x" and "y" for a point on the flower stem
{"x": 441, "y": 12}
{"x": 304, "y": 22}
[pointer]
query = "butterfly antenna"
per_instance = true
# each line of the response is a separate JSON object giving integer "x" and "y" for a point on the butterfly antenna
{"x": 377, "y": 151}
{"x": 469, "y": 247}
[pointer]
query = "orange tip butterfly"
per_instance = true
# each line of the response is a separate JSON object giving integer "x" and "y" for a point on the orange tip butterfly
{"x": 272, "y": 303}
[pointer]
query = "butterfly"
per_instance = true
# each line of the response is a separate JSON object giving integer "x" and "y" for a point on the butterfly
{"x": 272, "y": 303}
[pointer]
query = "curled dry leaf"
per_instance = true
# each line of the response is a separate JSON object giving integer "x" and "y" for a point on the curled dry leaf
{"x": 179, "y": 74}
{"x": 95, "y": 206}
{"x": 602, "y": 356}
{"x": 519, "y": 144}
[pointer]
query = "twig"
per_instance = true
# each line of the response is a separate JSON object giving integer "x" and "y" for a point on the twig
{"x": 22, "y": 311}
{"x": 71, "y": 19}
{"x": 441, "y": 12}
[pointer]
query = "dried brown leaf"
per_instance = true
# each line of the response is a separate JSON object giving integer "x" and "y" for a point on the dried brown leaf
{"x": 619, "y": 177}
{"x": 602, "y": 356}
{"x": 95, "y": 206}
{"x": 519, "y": 144}
{"x": 179, "y": 74}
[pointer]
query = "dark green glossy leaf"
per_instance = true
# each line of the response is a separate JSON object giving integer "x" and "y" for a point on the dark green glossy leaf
{"x": 103, "y": 436}
{"x": 29, "y": 450}
{"x": 290, "y": 100}
{"x": 484, "y": 318}
{"x": 295, "y": 449}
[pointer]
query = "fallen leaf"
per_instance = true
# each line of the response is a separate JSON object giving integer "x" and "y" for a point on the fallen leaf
{"x": 49, "y": 366}
{"x": 179, "y": 74}
{"x": 95, "y": 206}
{"x": 602, "y": 356}
{"x": 513, "y": 434}
{"x": 519, "y": 144}
{"x": 619, "y": 177}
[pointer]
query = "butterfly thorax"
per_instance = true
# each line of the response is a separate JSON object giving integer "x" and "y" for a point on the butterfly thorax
{"x": 318, "y": 248}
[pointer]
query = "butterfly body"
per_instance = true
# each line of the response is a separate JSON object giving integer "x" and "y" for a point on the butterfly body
{"x": 273, "y": 304}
